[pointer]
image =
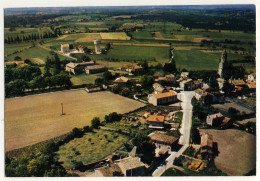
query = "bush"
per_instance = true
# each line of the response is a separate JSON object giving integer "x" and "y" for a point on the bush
{"x": 113, "y": 117}
{"x": 95, "y": 122}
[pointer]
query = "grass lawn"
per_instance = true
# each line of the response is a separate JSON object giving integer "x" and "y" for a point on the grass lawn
{"x": 35, "y": 118}
{"x": 84, "y": 78}
{"x": 90, "y": 148}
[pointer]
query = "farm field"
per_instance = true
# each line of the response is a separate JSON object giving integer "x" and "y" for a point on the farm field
{"x": 136, "y": 53}
{"x": 37, "y": 118}
{"x": 93, "y": 146}
{"x": 237, "y": 151}
{"x": 35, "y": 54}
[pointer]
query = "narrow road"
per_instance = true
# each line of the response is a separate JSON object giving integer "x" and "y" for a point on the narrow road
{"x": 186, "y": 97}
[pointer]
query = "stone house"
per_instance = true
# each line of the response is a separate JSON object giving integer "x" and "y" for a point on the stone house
{"x": 132, "y": 166}
{"x": 162, "y": 98}
{"x": 95, "y": 69}
{"x": 156, "y": 122}
{"x": 162, "y": 140}
{"x": 77, "y": 67}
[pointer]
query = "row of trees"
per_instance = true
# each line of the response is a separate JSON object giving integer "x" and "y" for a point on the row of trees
{"x": 21, "y": 38}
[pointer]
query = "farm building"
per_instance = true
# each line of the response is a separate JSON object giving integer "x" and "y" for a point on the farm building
{"x": 80, "y": 49}
{"x": 251, "y": 77}
{"x": 158, "y": 88}
{"x": 204, "y": 96}
{"x": 107, "y": 171}
{"x": 130, "y": 68}
{"x": 161, "y": 140}
{"x": 167, "y": 78}
{"x": 186, "y": 85}
{"x": 132, "y": 166}
{"x": 95, "y": 69}
{"x": 121, "y": 81}
{"x": 162, "y": 98}
{"x": 77, "y": 67}
{"x": 184, "y": 75}
{"x": 156, "y": 122}
{"x": 16, "y": 63}
{"x": 206, "y": 145}
{"x": 65, "y": 48}
{"x": 218, "y": 120}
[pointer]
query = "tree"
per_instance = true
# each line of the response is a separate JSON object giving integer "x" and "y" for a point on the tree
{"x": 125, "y": 92}
{"x": 85, "y": 58}
{"x": 113, "y": 117}
{"x": 95, "y": 122}
{"x": 170, "y": 67}
{"x": 17, "y": 58}
{"x": 145, "y": 146}
{"x": 76, "y": 133}
{"x": 108, "y": 75}
{"x": 57, "y": 64}
{"x": 227, "y": 88}
{"x": 116, "y": 89}
{"x": 147, "y": 80}
{"x": 99, "y": 81}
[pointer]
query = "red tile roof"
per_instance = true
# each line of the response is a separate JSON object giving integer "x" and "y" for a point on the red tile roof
{"x": 159, "y": 137}
{"x": 155, "y": 118}
{"x": 165, "y": 94}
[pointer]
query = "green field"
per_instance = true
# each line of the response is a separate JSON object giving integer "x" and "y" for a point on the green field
{"x": 36, "y": 54}
{"x": 161, "y": 54}
{"x": 90, "y": 148}
{"x": 84, "y": 78}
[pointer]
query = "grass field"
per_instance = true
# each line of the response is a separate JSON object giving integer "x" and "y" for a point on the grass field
{"x": 114, "y": 36}
{"x": 90, "y": 148}
{"x": 35, "y": 54}
{"x": 136, "y": 53}
{"x": 35, "y": 118}
{"x": 237, "y": 151}
{"x": 84, "y": 78}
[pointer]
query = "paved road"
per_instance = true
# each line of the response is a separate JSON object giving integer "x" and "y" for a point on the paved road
{"x": 186, "y": 97}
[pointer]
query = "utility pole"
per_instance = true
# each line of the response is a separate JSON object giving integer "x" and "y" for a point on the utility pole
{"x": 62, "y": 109}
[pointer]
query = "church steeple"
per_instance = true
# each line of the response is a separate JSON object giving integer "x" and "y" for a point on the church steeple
{"x": 223, "y": 63}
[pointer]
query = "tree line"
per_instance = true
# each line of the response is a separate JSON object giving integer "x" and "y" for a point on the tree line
{"x": 30, "y": 77}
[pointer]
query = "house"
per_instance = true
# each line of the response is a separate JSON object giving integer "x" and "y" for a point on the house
{"x": 218, "y": 120}
{"x": 162, "y": 98}
{"x": 197, "y": 83}
{"x": 204, "y": 96}
{"x": 16, "y": 63}
{"x": 167, "y": 78}
{"x": 108, "y": 171}
{"x": 252, "y": 87}
{"x": 65, "y": 48}
{"x": 95, "y": 69}
{"x": 121, "y": 81}
{"x": 239, "y": 84}
{"x": 80, "y": 49}
{"x": 156, "y": 122}
{"x": 220, "y": 83}
{"x": 160, "y": 140}
{"x": 184, "y": 75}
{"x": 130, "y": 68}
{"x": 251, "y": 77}
{"x": 206, "y": 145}
{"x": 158, "y": 88}
{"x": 186, "y": 85}
{"x": 132, "y": 166}
{"x": 77, "y": 67}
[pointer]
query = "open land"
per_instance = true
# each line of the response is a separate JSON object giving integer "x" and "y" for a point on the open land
{"x": 237, "y": 151}
{"x": 97, "y": 145}
{"x": 38, "y": 117}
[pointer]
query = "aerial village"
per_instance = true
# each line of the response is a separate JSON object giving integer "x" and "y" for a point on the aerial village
{"x": 100, "y": 116}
